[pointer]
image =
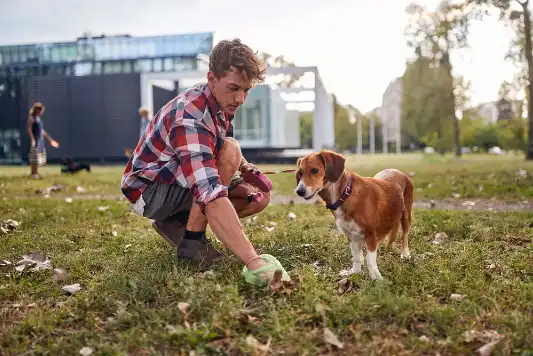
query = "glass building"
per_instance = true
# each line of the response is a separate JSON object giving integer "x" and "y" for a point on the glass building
{"x": 88, "y": 55}
{"x": 106, "y": 54}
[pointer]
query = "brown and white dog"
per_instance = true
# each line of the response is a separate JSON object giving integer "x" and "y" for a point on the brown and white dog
{"x": 367, "y": 210}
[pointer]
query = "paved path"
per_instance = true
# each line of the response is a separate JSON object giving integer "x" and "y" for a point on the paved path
{"x": 446, "y": 204}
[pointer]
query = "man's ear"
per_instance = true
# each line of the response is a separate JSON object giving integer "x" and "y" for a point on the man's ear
{"x": 334, "y": 164}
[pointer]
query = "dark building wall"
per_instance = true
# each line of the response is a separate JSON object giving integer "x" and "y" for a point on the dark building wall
{"x": 161, "y": 97}
{"x": 93, "y": 117}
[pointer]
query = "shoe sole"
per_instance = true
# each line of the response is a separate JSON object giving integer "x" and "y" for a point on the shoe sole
{"x": 168, "y": 239}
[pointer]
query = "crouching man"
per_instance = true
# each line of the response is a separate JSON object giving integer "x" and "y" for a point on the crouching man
{"x": 185, "y": 160}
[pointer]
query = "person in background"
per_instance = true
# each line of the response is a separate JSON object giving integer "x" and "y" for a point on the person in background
{"x": 144, "y": 113}
{"x": 37, "y": 135}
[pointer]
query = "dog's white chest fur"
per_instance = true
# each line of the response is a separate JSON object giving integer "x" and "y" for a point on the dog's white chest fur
{"x": 349, "y": 227}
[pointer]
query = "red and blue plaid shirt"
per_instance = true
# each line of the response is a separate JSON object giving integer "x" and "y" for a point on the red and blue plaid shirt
{"x": 179, "y": 146}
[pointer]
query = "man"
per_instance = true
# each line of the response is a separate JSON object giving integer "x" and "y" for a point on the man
{"x": 183, "y": 164}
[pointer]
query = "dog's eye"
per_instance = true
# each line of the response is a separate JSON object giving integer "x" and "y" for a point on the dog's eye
{"x": 314, "y": 170}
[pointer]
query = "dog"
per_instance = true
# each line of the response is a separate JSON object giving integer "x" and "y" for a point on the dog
{"x": 367, "y": 210}
{"x": 71, "y": 166}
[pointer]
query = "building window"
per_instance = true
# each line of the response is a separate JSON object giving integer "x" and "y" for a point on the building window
{"x": 143, "y": 65}
{"x": 83, "y": 69}
{"x": 248, "y": 122}
{"x": 158, "y": 65}
{"x": 113, "y": 67}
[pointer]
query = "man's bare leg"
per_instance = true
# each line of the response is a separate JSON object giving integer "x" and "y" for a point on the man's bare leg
{"x": 227, "y": 228}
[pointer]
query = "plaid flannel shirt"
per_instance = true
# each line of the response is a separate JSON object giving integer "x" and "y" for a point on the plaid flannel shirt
{"x": 179, "y": 146}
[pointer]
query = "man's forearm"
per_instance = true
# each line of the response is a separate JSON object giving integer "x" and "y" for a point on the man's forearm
{"x": 226, "y": 225}
{"x": 45, "y": 134}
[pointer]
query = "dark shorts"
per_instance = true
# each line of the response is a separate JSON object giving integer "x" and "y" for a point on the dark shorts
{"x": 164, "y": 200}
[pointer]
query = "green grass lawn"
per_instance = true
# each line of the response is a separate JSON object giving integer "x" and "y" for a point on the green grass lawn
{"x": 474, "y": 176}
{"x": 136, "y": 299}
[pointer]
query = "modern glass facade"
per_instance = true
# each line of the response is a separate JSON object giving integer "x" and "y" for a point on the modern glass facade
{"x": 87, "y": 55}
{"x": 106, "y": 55}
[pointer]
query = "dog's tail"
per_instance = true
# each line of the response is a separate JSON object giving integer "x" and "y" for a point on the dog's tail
{"x": 407, "y": 216}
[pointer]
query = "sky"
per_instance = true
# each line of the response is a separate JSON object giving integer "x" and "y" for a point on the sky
{"x": 357, "y": 45}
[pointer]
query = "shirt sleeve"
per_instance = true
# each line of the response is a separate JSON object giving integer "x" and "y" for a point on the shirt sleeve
{"x": 194, "y": 145}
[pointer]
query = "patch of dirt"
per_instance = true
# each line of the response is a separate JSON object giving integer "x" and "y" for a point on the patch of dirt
{"x": 476, "y": 204}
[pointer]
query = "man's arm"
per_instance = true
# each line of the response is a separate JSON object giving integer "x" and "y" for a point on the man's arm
{"x": 194, "y": 144}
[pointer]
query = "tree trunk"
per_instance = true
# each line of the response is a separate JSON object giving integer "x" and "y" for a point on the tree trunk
{"x": 529, "y": 58}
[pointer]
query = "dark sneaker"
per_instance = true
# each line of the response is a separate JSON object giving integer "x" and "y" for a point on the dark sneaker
{"x": 170, "y": 230}
{"x": 200, "y": 251}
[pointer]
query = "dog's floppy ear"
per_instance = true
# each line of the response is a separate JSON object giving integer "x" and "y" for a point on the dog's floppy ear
{"x": 334, "y": 164}
{"x": 298, "y": 173}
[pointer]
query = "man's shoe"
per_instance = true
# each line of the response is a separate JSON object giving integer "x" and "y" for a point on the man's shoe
{"x": 200, "y": 251}
{"x": 170, "y": 230}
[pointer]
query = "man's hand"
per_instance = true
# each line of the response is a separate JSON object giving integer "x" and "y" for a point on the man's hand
{"x": 247, "y": 166}
{"x": 54, "y": 143}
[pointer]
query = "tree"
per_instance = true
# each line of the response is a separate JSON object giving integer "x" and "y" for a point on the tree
{"x": 434, "y": 35}
{"x": 521, "y": 51}
{"x": 287, "y": 80}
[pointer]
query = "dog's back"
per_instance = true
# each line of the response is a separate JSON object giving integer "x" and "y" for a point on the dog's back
{"x": 406, "y": 184}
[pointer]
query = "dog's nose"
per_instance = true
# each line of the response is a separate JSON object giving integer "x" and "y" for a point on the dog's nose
{"x": 300, "y": 191}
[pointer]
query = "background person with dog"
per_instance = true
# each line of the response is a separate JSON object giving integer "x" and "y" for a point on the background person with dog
{"x": 180, "y": 172}
{"x": 37, "y": 135}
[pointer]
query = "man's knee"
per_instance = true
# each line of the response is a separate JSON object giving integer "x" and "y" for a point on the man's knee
{"x": 230, "y": 152}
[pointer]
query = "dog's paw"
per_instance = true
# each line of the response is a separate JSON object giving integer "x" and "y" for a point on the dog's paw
{"x": 405, "y": 254}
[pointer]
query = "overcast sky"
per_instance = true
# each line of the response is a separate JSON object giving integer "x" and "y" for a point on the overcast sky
{"x": 358, "y": 45}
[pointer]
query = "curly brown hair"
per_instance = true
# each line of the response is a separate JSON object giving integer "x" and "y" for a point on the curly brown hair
{"x": 234, "y": 53}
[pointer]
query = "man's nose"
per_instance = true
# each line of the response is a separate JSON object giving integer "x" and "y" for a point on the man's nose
{"x": 239, "y": 97}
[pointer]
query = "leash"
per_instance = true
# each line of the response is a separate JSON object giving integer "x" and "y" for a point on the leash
{"x": 277, "y": 172}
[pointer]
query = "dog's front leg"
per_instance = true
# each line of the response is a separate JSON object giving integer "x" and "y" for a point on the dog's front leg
{"x": 371, "y": 257}
{"x": 357, "y": 256}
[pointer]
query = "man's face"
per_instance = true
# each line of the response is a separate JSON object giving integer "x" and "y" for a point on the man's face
{"x": 231, "y": 90}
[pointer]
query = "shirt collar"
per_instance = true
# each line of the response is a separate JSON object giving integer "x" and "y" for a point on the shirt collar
{"x": 214, "y": 107}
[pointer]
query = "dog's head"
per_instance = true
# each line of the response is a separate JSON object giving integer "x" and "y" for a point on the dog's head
{"x": 317, "y": 169}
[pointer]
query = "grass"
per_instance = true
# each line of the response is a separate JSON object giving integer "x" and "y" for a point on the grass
{"x": 436, "y": 177}
{"x": 133, "y": 287}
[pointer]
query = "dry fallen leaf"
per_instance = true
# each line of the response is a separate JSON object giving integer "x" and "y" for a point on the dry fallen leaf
{"x": 80, "y": 189}
{"x": 86, "y": 351}
{"x": 457, "y": 297}
{"x": 440, "y": 237}
{"x": 36, "y": 260}
{"x": 278, "y": 285}
{"x": 468, "y": 203}
{"x": 456, "y": 195}
{"x": 182, "y": 306}
{"x": 344, "y": 285}
{"x": 68, "y": 200}
{"x": 256, "y": 345}
{"x": 102, "y": 208}
{"x": 486, "y": 350}
{"x": 72, "y": 288}
{"x": 292, "y": 215}
{"x": 9, "y": 225}
{"x": 114, "y": 233}
{"x": 332, "y": 339}
{"x": 59, "y": 274}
